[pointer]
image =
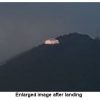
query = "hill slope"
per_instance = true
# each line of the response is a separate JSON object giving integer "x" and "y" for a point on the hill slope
{"x": 71, "y": 65}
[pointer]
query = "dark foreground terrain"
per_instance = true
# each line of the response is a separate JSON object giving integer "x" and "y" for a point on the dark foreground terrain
{"x": 72, "y": 65}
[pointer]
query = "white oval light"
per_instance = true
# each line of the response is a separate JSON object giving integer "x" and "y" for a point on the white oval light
{"x": 51, "y": 41}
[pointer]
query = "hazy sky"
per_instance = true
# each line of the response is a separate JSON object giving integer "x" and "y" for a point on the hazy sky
{"x": 24, "y": 25}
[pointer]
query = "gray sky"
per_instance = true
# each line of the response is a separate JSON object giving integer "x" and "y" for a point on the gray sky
{"x": 25, "y": 25}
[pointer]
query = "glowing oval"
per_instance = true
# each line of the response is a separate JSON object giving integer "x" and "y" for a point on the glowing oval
{"x": 51, "y": 41}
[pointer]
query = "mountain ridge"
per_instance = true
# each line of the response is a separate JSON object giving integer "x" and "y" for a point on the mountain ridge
{"x": 71, "y": 65}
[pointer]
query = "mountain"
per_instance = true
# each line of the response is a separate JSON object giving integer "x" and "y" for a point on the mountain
{"x": 72, "y": 65}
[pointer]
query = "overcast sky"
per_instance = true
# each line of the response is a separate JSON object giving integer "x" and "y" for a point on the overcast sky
{"x": 24, "y": 25}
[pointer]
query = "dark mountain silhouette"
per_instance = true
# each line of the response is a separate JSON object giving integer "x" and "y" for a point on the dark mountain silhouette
{"x": 72, "y": 65}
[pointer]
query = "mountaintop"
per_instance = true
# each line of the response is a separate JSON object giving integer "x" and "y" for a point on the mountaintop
{"x": 71, "y": 65}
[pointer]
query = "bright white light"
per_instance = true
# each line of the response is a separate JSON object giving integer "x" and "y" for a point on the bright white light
{"x": 51, "y": 41}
